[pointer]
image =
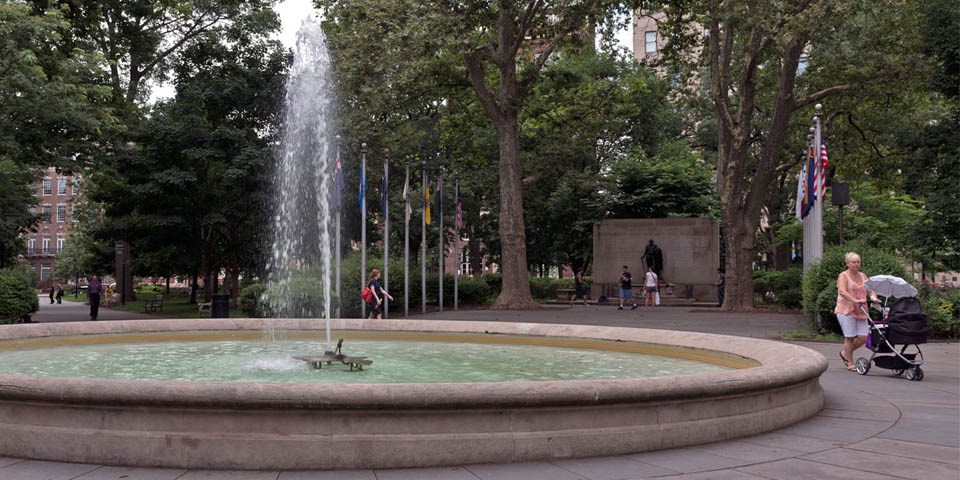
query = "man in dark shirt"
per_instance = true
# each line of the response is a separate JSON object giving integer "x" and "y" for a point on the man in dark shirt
{"x": 94, "y": 291}
{"x": 626, "y": 288}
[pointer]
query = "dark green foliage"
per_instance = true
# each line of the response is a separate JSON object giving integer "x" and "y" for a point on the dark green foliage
{"x": 251, "y": 300}
{"x": 544, "y": 288}
{"x": 786, "y": 286}
{"x": 820, "y": 282}
{"x": 943, "y": 310}
{"x": 18, "y": 298}
{"x": 673, "y": 183}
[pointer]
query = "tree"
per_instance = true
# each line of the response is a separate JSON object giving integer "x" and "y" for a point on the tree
{"x": 195, "y": 200}
{"x": 51, "y": 109}
{"x": 752, "y": 53}
{"x": 503, "y": 46}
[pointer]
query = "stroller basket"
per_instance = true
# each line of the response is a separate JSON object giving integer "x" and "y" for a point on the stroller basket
{"x": 894, "y": 362}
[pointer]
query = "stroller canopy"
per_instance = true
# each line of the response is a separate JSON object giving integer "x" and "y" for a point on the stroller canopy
{"x": 907, "y": 322}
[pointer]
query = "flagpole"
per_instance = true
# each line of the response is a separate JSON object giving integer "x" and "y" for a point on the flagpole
{"x": 813, "y": 223}
{"x": 441, "y": 246}
{"x": 817, "y": 213}
{"x": 386, "y": 231}
{"x": 336, "y": 254}
{"x": 456, "y": 244}
{"x": 363, "y": 226}
{"x": 423, "y": 241}
{"x": 406, "y": 238}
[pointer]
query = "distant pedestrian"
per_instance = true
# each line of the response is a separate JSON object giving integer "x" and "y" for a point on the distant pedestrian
{"x": 59, "y": 293}
{"x": 94, "y": 291}
{"x": 626, "y": 288}
{"x": 579, "y": 288}
{"x": 53, "y": 291}
{"x": 721, "y": 284}
{"x": 650, "y": 286}
{"x": 376, "y": 303}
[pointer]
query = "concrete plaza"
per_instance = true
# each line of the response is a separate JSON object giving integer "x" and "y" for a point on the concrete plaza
{"x": 876, "y": 426}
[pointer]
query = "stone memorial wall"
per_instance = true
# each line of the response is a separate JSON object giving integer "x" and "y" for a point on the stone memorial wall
{"x": 690, "y": 249}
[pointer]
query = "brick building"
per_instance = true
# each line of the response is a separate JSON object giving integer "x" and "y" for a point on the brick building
{"x": 56, "y": 193}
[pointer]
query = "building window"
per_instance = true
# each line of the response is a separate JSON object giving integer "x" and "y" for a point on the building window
{"x": 62, "y": 186}
{"x": 76, "y": 186}
{"x": 47, "y": 186}
{"x": 61, "y": 241}
{"x": 31, "y": 246}
{"x": 465, "y": 268}
{"x": 44, "y": 271}
{"x": 61, "y": 213}
{"x": 45, "y": 214}
{"x": 802, "y": 65}
{"x": 650, "y": 42}
{"x": 46, "y": 245}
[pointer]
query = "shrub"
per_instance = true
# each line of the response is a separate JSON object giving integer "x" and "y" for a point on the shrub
{"x": 785, "y": 285}
{"x": 820, "y": 282}
{"x": 251, "y": 300}
{"x": 943, "y": 310}
{"x": 474, "y": 290}
{"x": 544, "y": 287}
{"x": 18, "y": 298}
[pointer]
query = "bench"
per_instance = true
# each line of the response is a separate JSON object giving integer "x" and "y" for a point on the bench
{"x": 155, "y": 305}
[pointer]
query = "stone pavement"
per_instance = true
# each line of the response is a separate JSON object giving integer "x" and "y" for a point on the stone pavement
{"x": 876, "y": 426}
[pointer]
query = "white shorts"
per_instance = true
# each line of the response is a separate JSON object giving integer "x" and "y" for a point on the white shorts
{"x": 853, "y": 327}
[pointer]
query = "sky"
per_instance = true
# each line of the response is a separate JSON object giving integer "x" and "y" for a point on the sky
{"x": 293, "y": 12}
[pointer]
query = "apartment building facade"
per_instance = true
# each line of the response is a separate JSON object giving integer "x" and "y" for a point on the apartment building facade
{"x": 57, "y": 194}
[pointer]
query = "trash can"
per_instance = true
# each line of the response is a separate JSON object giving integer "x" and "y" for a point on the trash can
{"x": 219, "y": 306}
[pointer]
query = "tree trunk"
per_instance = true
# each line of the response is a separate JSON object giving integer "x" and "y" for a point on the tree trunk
{"x": 739, "y": 249}
{"x": 515, "y": 290}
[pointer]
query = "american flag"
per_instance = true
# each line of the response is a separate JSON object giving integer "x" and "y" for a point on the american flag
{"x": 459, "y": 208}
{"x": 824, "y": 163}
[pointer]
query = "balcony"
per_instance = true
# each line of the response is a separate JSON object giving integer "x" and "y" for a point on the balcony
{"x": 43, "y": 251}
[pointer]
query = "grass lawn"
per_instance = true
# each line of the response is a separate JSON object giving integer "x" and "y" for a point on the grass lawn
{"x": 175, "y": 305}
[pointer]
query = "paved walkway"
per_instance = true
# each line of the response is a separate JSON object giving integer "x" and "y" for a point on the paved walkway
{"x": 876, "y": 426}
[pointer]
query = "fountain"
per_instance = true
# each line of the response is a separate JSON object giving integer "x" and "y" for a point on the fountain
{"x": 256, "y": 425}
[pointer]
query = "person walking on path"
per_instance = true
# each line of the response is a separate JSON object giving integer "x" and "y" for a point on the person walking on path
{"x": 721, "y": 284}
{"x": 53, "y": 291}
{"x": 852, "y": 298}
{"x": 626, "y": 288}
{"x": 579, "y": 288}
{"x": 650, "y": 285}
{"x": 94, "y": 292}
{"x": 59, "y": 293}
{"x": 376, "y": 303}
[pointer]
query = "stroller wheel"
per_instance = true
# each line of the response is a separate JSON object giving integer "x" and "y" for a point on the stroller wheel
{"x": 863, "y": 366}
{"x": 898, "y": 371}
{"x": 915, "y": 374}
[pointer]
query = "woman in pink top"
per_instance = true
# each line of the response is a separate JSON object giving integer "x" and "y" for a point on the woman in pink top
{"x": 851, "y": 295}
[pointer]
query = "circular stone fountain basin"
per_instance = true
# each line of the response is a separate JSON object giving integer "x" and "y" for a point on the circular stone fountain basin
{"x": 290, "y": 426}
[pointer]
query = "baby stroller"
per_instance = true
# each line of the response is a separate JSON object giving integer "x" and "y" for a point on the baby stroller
{"x": 903, "y": 323}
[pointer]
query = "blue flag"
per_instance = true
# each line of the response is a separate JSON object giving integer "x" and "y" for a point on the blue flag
{"x": 810, "y": 185}
{"x": 363, "y": 186}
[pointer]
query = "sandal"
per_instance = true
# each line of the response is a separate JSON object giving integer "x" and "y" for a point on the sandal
{"x": 846, "y": 362}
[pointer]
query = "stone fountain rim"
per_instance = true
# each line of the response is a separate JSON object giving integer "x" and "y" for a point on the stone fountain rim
{"x": 779, "y": 365}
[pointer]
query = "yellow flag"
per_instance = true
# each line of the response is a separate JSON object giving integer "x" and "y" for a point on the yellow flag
{"x": 426, "y": 203}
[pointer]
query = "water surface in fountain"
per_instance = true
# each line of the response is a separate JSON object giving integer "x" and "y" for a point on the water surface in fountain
{"x": 408, "y": 361}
